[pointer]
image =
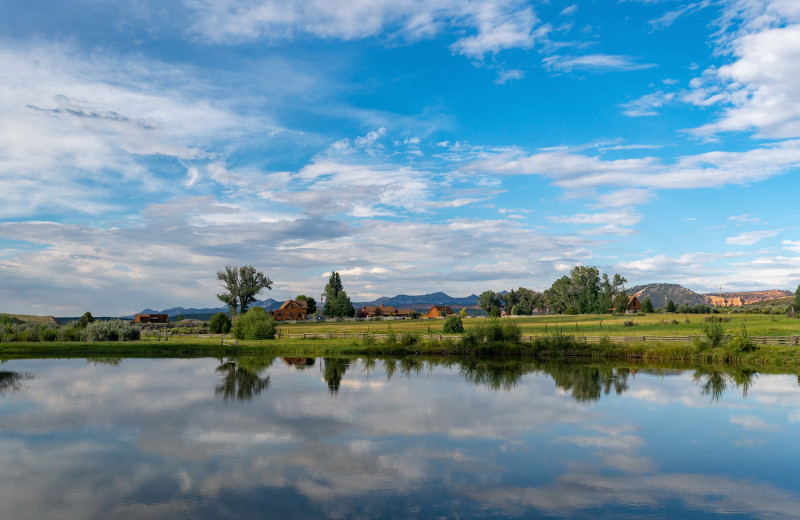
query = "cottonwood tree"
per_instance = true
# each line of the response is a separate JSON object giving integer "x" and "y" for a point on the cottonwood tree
{"x": 490, "y": 302}
{"x": 241, "y": 284}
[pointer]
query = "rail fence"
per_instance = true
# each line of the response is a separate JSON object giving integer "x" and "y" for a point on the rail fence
{"x": 756, "y": 340}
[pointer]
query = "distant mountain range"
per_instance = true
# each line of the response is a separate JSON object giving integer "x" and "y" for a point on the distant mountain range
{"x": 401, "y": 301}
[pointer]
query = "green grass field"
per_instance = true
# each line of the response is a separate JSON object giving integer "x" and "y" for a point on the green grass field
{"x": 645, "y": 325}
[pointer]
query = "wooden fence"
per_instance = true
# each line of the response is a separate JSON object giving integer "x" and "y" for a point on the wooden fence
{"x": 756, "y": 340}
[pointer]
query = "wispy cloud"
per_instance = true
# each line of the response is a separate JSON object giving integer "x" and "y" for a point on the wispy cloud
{"x": 594, "y": 63}
{"x": 751, "y": 237}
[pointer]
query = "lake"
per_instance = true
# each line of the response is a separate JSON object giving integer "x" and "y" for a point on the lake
{"x": 355, "y": 438}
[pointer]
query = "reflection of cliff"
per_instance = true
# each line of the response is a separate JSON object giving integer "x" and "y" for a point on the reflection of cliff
{"x": 737, "y": 299}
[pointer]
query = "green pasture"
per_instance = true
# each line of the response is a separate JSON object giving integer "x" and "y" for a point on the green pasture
{"x": 594, "y": 325}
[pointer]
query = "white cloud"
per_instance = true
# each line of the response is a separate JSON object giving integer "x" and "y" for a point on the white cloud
{"x": 646, "y": 105}
{"x": 750, "y": 238}
{"x": 594, "y": 63}
{"x": 78, "y": 128}
{"x": 570, "y": 10}
{"x": 505, "y": 76}
{"x": 578, "y": 172}
{"x": 757, "y": 89}
{"x": 496, "y": 25}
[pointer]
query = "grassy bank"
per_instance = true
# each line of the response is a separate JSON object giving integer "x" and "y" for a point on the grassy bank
{"x": 551, "y": 346}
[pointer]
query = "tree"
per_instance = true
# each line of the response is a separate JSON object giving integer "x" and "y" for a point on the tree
{"x": 509, "y": 299}
{"x": 85, "y": 320}
{"x": 311, "y": 303}
{"x": 463, "y": 312}
{"x": 489, "y": 301}
{"x": 671, "y": 306}
{"x": 220, "y": 323}
{"x": 241, "y": 284}
{"x": 647, "y": 305}
{"x": 797, "y": 299}
{"x": 337, "y": 304}
{"x": 621, "y": 302}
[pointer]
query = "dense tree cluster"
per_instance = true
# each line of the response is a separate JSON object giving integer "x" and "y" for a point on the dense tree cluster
{"x": 337, "y": 303}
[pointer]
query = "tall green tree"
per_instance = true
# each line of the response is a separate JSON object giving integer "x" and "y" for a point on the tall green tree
{"x": 647, "y": 305}
{"x": 490, "y": 302}
{"x": 337, "y": 303}
{"x": 241, "y": 285}
{"x": 671, "y": 307}
{"x": 797, "y": 299}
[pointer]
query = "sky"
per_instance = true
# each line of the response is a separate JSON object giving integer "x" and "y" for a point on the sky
{"x": 413, "y": 146}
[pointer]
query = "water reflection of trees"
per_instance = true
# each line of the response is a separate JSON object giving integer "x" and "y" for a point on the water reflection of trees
{"x": 589, "y": 382}
{"x": 584, "y": 381}
{"x": 333, "y": 371}
{"x": 11, "y": 382}
{"x": 714, "y": 382}
{"x": 241, "y": 378}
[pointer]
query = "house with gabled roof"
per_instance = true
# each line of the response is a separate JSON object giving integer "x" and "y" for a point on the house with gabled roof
{"x": 291, "y": 310}
{"x": 440, "y": 311}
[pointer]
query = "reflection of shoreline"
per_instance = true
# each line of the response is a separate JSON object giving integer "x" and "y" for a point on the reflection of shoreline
{"x": 11, "y": 382}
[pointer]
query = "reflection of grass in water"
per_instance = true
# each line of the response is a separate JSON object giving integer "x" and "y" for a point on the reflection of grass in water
{"x": 11, "y": 382}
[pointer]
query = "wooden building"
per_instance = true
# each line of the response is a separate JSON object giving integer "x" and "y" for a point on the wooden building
{"x": 291, "y": 310}
{"x": 634, "y": 306}
{"x": 151, "y": 318}
{"x": 440, "y": 311}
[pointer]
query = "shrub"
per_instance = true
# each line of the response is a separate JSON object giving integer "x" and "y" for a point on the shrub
{"x": 674, "y": 322}
{"x": 741, "y": 341}
{"x": 453, "y": 325}
{"x": 255, "y": 324}
{"x": 571, "y": 310}
{"x": 114, "y": 330}
{"x": 714, "y": 332}
{"x": 220, "y": 323}
{"x": 391, "y": 337}
{"x": 511, "y": 332}
{"x": 628, "y": 323}
{"x": 408, "y": 339}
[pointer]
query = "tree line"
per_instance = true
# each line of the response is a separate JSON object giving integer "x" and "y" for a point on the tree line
{"x": 582, "y": 291}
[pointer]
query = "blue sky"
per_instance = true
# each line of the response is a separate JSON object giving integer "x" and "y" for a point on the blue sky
{"x": 413, "y": 146}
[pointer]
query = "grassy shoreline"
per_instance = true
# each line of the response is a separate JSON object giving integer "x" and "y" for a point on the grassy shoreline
{"x": 559, "y": 346}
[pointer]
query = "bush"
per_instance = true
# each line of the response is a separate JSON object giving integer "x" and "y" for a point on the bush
{"x": 628, "y": 323}
{"x": 714, "y": 332}
{"x": 255, "y": 324}
{"x": 220, "y": 323}
{"x": 408, "y": 339}
{"x": 571, "y": 310}
{"x": 511, "y": 332}
{"x": 114, "y": 330}
{"x": 741, "y": 341}
{"x": 453, "y": 325}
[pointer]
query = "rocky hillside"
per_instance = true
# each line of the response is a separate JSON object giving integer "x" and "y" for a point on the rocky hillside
{"x": 737, "y": 299}
{"x": 660, "y": 293}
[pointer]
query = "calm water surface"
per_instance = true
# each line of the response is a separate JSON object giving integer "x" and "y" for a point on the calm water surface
{"x": 336, "y": 438}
